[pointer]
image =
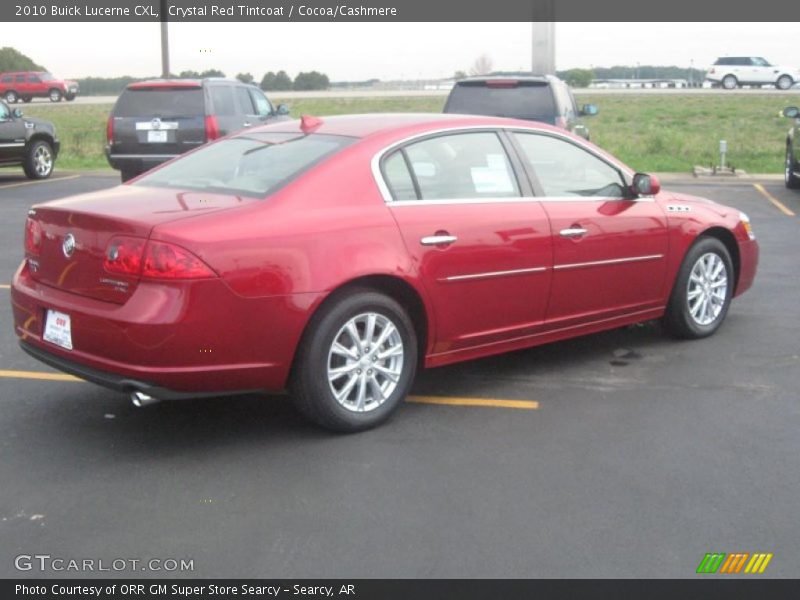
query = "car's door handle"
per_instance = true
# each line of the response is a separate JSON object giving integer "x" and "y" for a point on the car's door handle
{"x": 573, "y": 232}
{"x": 438, "y": 240}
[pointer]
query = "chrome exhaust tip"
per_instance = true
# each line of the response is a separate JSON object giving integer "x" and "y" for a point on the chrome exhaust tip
{"x": 140, "y": 399}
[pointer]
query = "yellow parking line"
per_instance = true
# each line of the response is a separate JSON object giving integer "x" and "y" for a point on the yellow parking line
{"x": 778, "y": 204}
{"x": 491, "y": 402}
{"x": 38, "y": 375}
{"x": 13, "y": 185}
{"x": 443, "y": 400}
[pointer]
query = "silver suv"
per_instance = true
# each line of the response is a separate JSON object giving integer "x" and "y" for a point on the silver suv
{"x": 732, "y": 71}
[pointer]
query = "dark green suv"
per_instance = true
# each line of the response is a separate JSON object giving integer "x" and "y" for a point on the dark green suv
{"x": 792, "y": 165}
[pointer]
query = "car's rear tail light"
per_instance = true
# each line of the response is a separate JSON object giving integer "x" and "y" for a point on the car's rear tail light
{"x": 124, "y": 256}
{"x": 502, "y": 83}
{"x": 33, "y": 236}
{"x": 110, "y": 130}
{"x": 212, "y": 128}
{"x": 167, "y": 261}
{"x": 156, "y": 260}
{"x": 712, "y": 71}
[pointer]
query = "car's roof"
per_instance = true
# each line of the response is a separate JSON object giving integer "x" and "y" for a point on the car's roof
{"x": 366, "y": 125}
{"x": 488, "y": 78}
{"x": 181, "y": 82}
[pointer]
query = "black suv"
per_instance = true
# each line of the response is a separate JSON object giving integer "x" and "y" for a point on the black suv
{"x": 546, "y": 99}
{"x": 26, "y": 142}
{"x": 154, "y": 121}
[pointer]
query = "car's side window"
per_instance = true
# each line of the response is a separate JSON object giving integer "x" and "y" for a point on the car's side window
{"x": 398, "y": 178}
{"x": 462, "y": 166}
{"x": 7, "y": 79}
{"x": 244, "y": 101}
{"x": 566, "y": 169}
{"x": 34, "y": 79}
{"x": 263, "y": 107}
{"x": 223, "y": 100}
{"x": 19, "y": 79}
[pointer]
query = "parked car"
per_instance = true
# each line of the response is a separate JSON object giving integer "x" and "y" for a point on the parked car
{"x": 29, "y": 143}
{"x": 546, "y": 99}
{"x": 26, "y": 85}
{"x": 337, "y": 256}
{"x": 155, "y": 121}
{"x": 791, "y": 170}
{"x": 732, "y": 71}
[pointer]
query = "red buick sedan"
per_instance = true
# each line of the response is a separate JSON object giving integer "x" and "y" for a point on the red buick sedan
{"x": 335, "y": 256}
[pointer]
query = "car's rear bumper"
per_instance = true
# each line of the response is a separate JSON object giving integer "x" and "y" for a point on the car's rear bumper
{"x": 136, "y": 163}
{"x": 115, "y": 381}
{"x": 178, "y": 339}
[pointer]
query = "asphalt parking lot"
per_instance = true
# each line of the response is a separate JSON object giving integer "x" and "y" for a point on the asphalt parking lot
{"x": 632, "y": 455}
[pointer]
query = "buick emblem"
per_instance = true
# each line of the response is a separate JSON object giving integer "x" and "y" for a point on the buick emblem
{"x": 155, "y": 123}
{"x": 68, "y": 247}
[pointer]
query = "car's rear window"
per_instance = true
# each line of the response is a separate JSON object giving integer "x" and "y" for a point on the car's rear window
{"x": 254, "y": 164}
{"x": 524, "y": 100}
{"x": 160, "y": 102}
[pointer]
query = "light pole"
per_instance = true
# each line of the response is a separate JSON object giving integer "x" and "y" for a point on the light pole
{"x": 543, "y": 38}
{"x": 164, "y": 41}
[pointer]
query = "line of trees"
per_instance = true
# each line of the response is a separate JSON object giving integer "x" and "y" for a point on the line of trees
{"x": 13, "y": 60}
{"x": 280, "y": 81}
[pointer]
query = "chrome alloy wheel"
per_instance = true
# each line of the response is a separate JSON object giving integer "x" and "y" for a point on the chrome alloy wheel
{"x": 707, "y": 290}
{"x": 42, "y": 161}
{"x": 365, "y": 362}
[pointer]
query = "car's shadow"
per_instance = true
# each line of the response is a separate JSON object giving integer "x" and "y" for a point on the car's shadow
{"x": 93, "y": 419}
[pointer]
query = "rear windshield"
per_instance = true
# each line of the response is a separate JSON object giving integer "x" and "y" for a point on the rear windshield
{"x": 526, "y": 100}
{"x": 253, "y": 165}
{"x": 160, "y": 102}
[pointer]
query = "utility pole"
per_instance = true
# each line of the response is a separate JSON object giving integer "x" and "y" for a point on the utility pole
{"x": 543, "y": 38}
{"x": 164, "y": 41}
{"x": 543, "y": 48}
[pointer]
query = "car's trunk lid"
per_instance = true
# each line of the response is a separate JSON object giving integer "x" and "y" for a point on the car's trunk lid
{"x": 76, "y": 233}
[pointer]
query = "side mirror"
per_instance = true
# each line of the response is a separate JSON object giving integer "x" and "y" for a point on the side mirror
{"x": 589, "y": 110}
{"x": 791, "y": 112}
{"x": 281, "y": 109}
{"x": 645, "y": 185}
{"x": 16, "y": 113}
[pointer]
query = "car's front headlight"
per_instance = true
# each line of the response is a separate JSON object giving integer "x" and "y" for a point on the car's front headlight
{"x": 746, "y": 224}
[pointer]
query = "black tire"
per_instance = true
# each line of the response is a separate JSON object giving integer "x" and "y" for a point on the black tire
{"x": 27, "y": 99}
{"x": 729, "y": 82}
{"x": 39, "y": 160}
{"x": 11, "y": 97}
{"x": 55, "y": 95}
{"x": 312, "y": 391}
{"x": 126, "y": 175}
{"x": 678, "y": 319}
{"x": 791, "y": 167}
{"x": 70, "y": 97}
{"x": 784, "y": 82}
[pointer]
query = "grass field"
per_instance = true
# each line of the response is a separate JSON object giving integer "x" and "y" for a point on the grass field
{"x": 656, "y": 133}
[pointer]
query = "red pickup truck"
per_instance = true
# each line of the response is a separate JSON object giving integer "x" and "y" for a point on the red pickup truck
{"x": 26, "y": 85}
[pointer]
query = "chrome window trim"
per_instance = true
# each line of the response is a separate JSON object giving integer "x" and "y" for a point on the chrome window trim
{"x": 612, "y": 261}
{"x": 490, "y": 274}
{"x": 439, "y": 202}
{"x": 386, "y": 193}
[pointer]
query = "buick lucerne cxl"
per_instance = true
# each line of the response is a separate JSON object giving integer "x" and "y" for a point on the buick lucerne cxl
{"x": 335, "y": 257}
